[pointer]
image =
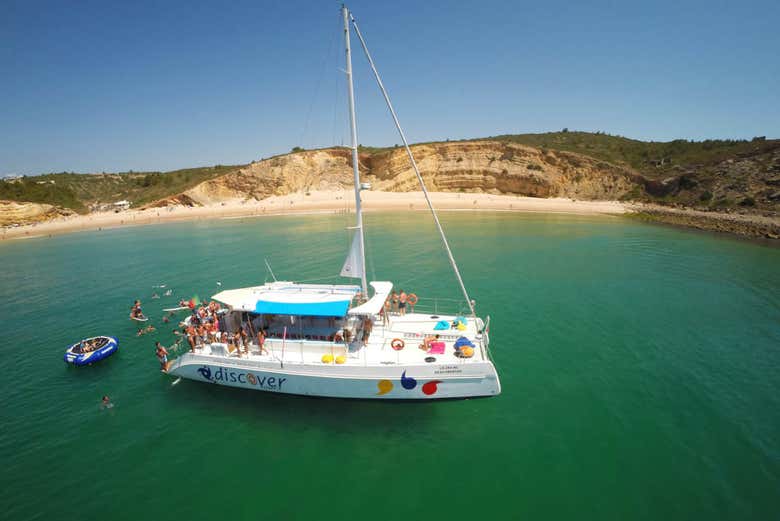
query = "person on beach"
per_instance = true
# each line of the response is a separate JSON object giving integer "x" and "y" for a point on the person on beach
{"x": 162, "y": 356}
{"x": 402, "y": 302}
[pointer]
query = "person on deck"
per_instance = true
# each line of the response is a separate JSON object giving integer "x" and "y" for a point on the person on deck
{"x": 394, "y": 302}
{"x": 261, "y": 340}
{"x": 368, "y": 325}
{"x": 402, "y": 302}
{"x": 191, "y": 337}
{"x": 236, "y": 338}
{"x": 162, "y": 356}
{"x": 426, "y": 345}
{"x": 244, "y": 338}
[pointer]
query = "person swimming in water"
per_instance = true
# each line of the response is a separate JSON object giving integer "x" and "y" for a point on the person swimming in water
{"x": 105, "y": 403}
{"x": 135, "y": 311}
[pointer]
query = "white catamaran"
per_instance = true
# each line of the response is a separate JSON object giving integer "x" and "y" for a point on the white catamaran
{"x": 343, "y": 340}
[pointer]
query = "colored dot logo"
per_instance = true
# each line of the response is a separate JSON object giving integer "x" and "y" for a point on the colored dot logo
{"x": 431, "y": 387}
{"x": 384, "y": 386}
{"x": 408, "y": 383}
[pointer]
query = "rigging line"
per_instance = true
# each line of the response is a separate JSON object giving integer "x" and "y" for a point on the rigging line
{"x": 414, "y": 164}
{"x": 317, "y": 88}
{"x": 267, "y": 265}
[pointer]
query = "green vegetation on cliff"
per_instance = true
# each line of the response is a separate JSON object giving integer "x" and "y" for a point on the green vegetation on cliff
{"x": 77, "y": 191}
{"x": 714, "y": 174}
{"x": 650, "y": 158}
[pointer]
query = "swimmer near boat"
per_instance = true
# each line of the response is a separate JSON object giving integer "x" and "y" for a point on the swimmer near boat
{"x": 91, "y": 350}
{"x": 136, "y": 313}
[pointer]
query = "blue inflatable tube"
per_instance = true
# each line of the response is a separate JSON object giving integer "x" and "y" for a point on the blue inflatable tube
{"x": 91, "y": 350}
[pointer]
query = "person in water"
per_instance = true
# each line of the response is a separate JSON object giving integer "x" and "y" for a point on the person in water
{"x": 135, "y": 311}
{"x": 105, "y": 403}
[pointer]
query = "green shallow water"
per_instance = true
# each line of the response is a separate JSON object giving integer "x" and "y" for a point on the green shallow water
{"x": 639, "y": 367}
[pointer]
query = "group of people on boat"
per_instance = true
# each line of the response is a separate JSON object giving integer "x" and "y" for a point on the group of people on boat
{"x": 204, "y": 327}
{"x": 398, "y": 301}
{"x": 87, "y": 346}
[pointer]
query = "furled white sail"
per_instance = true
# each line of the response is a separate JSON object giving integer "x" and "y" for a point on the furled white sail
{"x": 353, "y": 265}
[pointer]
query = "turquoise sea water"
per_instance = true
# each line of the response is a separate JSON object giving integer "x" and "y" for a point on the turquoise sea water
{"x": 639, "y": 367}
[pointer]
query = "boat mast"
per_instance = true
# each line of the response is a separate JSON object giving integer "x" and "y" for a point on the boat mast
{"x": 355, "y": 172}
{"x": 414, "y": 165}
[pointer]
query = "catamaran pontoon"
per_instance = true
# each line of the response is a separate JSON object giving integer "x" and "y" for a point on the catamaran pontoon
{"x": 332, "y": 340}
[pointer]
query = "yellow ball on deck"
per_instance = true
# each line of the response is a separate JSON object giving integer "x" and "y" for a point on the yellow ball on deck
{"x": 341, "y": 359}
{"x": 467, "y": 351}
{"x": 327, "y": 359}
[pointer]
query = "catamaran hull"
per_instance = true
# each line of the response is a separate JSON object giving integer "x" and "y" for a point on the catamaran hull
{"x": 395, "y": 383}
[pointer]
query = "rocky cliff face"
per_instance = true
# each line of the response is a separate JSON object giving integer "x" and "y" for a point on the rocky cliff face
{"x": 12, "y": 212}
{"x": 478, "y": 166}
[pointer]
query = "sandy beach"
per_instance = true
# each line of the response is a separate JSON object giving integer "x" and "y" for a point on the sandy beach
{"x": 315, "y": 202}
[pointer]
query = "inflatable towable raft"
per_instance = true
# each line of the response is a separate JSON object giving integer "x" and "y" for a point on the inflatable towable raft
{"x": 91, "y": 350}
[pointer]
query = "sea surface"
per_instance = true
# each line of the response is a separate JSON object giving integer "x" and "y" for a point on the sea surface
{"x": 640, "y": 368}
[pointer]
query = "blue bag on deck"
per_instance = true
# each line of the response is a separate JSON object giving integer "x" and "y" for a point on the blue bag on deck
{"x": 443, "y": 324}
{"x": 463, "y": 341}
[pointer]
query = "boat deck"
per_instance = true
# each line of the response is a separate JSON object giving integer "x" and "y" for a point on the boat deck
{"x": 412, "y": 328}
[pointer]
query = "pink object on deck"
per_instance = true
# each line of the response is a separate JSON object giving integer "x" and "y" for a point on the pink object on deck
{"x": 437, "y": 348}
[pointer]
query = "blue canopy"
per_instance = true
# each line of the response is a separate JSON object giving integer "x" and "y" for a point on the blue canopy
{"x": 337, "y": 308}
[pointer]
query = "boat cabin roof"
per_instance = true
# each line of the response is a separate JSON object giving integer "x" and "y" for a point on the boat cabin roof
{"x": 375, "y": 304}
{"x": 289, "y": 298}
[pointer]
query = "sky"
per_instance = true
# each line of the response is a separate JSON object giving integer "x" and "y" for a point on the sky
{"x": 95, "y": 86}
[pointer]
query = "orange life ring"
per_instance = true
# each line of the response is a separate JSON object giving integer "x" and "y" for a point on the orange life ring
{"x": 397, "y": 344}
{"x": 411, "y": 299}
